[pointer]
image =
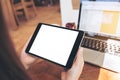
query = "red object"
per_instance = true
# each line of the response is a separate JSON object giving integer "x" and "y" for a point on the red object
{"x": 70, "y": 25}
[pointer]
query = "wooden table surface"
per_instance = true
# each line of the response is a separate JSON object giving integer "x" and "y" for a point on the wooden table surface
{"x": 92, "y": 72}
{"x": 48, "y": 71}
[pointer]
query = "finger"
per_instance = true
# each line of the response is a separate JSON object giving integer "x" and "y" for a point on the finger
{"x": 79, "y": 55}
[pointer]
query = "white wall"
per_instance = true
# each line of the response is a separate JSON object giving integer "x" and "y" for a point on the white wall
{"x": 67, "y": 12}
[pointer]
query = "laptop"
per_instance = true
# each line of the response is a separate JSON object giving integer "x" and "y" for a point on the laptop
{"x": 101, "y": 23}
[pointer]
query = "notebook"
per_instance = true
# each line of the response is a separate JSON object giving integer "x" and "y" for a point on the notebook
{"x": 101, "y": 23}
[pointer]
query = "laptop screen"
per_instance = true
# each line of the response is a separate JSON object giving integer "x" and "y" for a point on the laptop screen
{"x": 100, "y": 18}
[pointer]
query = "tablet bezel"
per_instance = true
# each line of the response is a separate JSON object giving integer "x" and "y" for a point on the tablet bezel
{"x": 73, "y": 51}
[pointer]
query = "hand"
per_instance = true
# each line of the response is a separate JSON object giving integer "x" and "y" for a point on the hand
{"x": 75, "y": 71}
{"x": 27, "y": 59}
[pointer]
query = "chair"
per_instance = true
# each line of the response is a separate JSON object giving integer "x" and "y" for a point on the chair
{"x": 18, "y": 10}
{"x": 30, "y": 8}
{"x": 23, "y": 10}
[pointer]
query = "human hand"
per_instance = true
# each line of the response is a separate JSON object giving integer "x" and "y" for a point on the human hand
{"x": 27, "y": 59}
{"x": 76, "y": 69}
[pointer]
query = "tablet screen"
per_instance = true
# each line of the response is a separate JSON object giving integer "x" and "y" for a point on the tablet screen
{"x": 53, "y": 43}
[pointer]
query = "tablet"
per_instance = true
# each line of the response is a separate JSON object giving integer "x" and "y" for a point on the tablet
{"x": 55, "y": 44}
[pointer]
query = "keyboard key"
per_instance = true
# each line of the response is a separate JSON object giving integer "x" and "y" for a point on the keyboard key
{"x": 105, "y": 46}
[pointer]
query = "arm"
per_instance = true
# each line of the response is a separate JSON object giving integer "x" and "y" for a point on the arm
{"x": 76, "y": 70}
{"x": 27, "y": 59}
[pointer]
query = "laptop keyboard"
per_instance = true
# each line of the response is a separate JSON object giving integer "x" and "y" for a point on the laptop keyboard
{"x": 105, "y": 46}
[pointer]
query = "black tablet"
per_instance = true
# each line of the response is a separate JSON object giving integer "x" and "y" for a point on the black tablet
{"x": 55, "y": 44}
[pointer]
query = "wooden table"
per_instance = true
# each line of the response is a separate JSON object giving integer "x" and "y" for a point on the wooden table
{"x": 45, "y": 70}
{"x": 92, "y": 72}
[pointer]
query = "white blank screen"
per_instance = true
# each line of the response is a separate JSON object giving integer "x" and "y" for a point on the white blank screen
{"x": 54, "y": 43}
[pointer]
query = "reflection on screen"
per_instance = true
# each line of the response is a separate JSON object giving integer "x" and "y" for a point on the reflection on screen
{"x": 100, "y": 17}
{"x": 54, "y": 43}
